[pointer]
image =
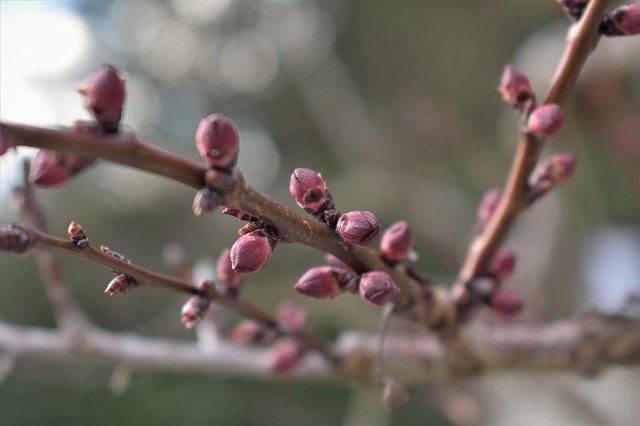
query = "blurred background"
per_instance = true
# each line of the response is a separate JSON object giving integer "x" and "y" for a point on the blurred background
{"x": 396, "y": 104}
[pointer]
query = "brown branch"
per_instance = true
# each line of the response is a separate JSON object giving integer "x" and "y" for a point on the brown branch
{"x": 581, "y": 41}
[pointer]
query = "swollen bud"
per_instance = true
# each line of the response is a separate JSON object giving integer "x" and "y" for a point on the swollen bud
{"x": 227, "y": 277}
{"x": 217, "y": 140}
{"x": 14, "y": 239}
{"x": 396, "y": 242}
{"x": 624, "y": 20}
{"x": 394, "y": 394}
{"x": 321, "y": 282}
{"x": 574, "y": 8}
{"x": 120, "y": 284}
{"x": 377, "y": 288}
{"x": 358, "y": 227}
{"x": 515, "y": 87}
{"x": 506, "y": 302}
{"x": 205, "y": 201}
{"x": 555, "y": 170}
{"x": 546, "y": 120}
{"x": 309, "y": 190}
{"x": 291, "y": 318}
{"x": 487, "y": 206}
{"x": 503, "y": 264}
{"x": 194, "y": 310}
{"x": 77, "y": 235}
{"x": 104, "y": 95}
{"x": 47, "y": 169}
{"x": 248, "y": 331}
{"x": 250, "y": 252}
{"x": 284, "y": 357}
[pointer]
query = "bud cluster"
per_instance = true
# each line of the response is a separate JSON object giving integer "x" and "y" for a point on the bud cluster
{"x": 555, "y": 170}
{"x": 217, "y": 141}
{"x": 52, "y": 168}
{"x": 622, "y": 21}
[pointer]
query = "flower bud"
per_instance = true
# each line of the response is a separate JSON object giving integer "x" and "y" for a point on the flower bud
{"x": 396, "y": 242}
{"x": 77, "y": 235}
{"x": 546, "y": 120}
{"x": 320, "y": 282}
{"x": 291, "y": 318}
{"x": 309, "y": 189}
{"x": 503, "y": 264}
{"x": 194, "y": 310}
{"x": 506, "y": 302}
{"x": 14, "y": 239}
{"x": 217, "y": 140}
{"x": 358, "y": 227}
{"x": 555, "y": 170}
{"x": 120, "y": 284}
{"x": 394, "y": 394}
{"x": 488, "y": 205}
{"x": 250, "y": 252}
{"x": 248, "y": 331}
{"x": 104, "y": 95}
{"x": 515, "y": 87}
{"x": 574, "y": 8}
{"x": 47, "y": 169}
{"x": 377, "y": 288}
{"x": 284, "y": 356}
{"x": 624, "y": 20}
{"x": 227, "y": 277}
{"x": 205, "y": 201}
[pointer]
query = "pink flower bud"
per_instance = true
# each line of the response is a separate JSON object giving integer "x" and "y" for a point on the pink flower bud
{"x": 488, "y": 205}
{"x": 394, "y": 394}
{"x": 194, "y": 310}
{"x": 396, "y": 242}
{"x": 574, "y": 8}
{"x": 503, "y": 264}
{"x": 546, "y": 120}
{"x": 246, "y": 332}
{"x": 217, "y": 140}
{"x": 120, "y": 284}
{"x": 284, "y": 357}
{"x": 308, "y": 189}
{"x": 47, "y": 169}
{"x": 250, "y": 252}
{"x": 506, "y": 302}
{"x": 104, "y": 95}
{"x": 558, "y": 168}
{"x": 377, "y": 288}
{"x": 291, "y": 318}
{"x": 624, "y": 20}
{"x": 14, "y": 239}
{"x": 515, "y": 87}
{"x": 227, "y": 277}
{"x": 205, "y": 201}
{"x": 359, "y": 227}
{"x": 77, "y": 235}
{"x": 320, "y": 282}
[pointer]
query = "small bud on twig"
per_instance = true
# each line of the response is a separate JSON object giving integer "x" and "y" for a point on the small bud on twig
{"x": 487, "y": 206}
{"x": 47, "y": 169}
{"x": 248, "y": 331}
{"x": 119, "y": 284}
{"x": 205, "y": 201}
{"x": 394, "y": 394}
{"x": 14, "y": 239}
{"x": 506, "y": 302}
{"x": 515, "y": 87}
{"x": 104, "y": 95}
{"x": 555, "y": 170}
{"x": 310, "y": 190}
{"x": 546, "y": 120}
{"x": 250, "y": 252}
{"x": 291, "y": 318}
{"x": 503, "y": 264}
{"x": 377, "y": 288}
{"x": 77, "y": 235}
{"x": 573, "y": 8}
{"x": 284, "y": 356}
{"x": 217, "y": 141}
{"x": 622, "y": 21}
{"x": 396, "y": 242}
{"x": 358, "y": 227}
{"x": 321, "y": 282}
{"x": 194, "y": 310}
{"x": 227, "y": 277}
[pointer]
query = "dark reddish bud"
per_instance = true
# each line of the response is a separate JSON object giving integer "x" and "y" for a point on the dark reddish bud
{"x": 488, "y": 205}
{"x": 396, "y": 242}
{"x": 77, "y": 235}
{"x": 291, "y": 318}
{"x": 320, "y": 282}
{"x": 515, "y": 87}
{"x": 227, "y": 277}
{"x": 555, "y": 170}
{"x": 246, "y": 332}
{"x": 205, "y": 201}
{"x": 394, "y": 394}
{"x": 47, "y": 169}
{"x": 194, "y": 310}
{"x": 120, "y": 284}
{"x": 337, "y": 263}
{"x": 104, "y": 94}
{"x": 250, "y": 252}
{"x": 309, "y": 190}
{"x": 624, "y": 20}
{"x": 546, "y": 120}
{"x": 573, "y": 8}
{"x": 377, "y": 288}
{"x": 284, "y": 357}
{"x": 506, "y": 302}
{"x": 217, "y": 140}
{"x": 14, "y": 239}
{"x": 503, "y": 264}
{"x": 359, "y": 227}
